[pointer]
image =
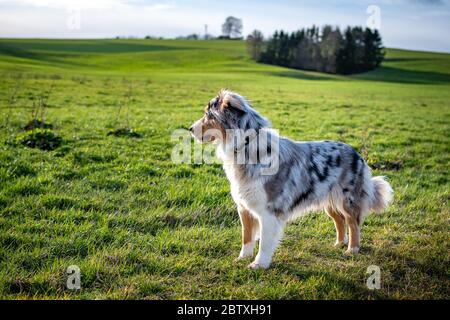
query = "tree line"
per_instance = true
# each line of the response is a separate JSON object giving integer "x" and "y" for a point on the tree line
{"x": 231, "y": 30}
{"x": 326, "y": 50}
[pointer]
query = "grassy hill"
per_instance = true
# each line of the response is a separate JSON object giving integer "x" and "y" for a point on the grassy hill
{"x": 140, "y": 226}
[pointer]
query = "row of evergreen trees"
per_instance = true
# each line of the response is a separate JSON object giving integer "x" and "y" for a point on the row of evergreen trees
{"x": 326, "y": 50}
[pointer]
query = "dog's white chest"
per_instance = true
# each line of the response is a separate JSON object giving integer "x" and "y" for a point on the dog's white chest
{"x": 249, "y": 193}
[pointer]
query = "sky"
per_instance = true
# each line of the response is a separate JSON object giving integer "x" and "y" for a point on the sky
{"x": 408, "y": 24}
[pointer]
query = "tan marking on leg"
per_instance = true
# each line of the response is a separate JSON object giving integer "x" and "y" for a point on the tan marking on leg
{"x": 352, "y": 214}
{"x": 354, "y": 234}
{"x": 248, "y": 226}
{"x": 339, "y": 224}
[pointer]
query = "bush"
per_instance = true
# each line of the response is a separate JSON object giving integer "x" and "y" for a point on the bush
{"x": 124, "y": 132}
{"x": 35, "y": 124}
{"x": 43, "y": 139}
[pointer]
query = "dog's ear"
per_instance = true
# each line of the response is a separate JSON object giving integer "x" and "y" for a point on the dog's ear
{"x": 233, "y": 101}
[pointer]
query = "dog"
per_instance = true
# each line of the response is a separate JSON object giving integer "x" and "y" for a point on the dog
{"x": 318, "y": 175}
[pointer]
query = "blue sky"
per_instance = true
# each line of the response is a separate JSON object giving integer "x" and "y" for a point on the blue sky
{"x": 410, "y": 24}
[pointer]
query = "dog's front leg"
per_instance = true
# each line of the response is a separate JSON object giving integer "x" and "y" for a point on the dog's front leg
{"x": 250, "y": 230}
{"x": 271, "y": 233}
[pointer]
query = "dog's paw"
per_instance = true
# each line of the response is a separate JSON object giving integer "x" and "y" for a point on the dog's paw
{"x": 340, "y": 244}
{"x": 246, "y": 252}
{"x": 242, "y": 257}
{"x": 352, "y": 251}
{"x": 258, "y": 265}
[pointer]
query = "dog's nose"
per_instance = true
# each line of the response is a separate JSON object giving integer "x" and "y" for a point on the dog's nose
{"x": 191, "y": 128}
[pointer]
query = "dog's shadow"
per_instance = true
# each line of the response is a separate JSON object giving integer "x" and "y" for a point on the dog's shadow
{"x": 354, "y": 285}
{"x": 350, "y": 287}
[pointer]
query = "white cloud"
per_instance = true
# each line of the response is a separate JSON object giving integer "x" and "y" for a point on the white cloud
{"x": 87, "y": 4}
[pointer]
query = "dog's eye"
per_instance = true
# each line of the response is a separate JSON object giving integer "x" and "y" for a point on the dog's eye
{"x": 213, "y": 103}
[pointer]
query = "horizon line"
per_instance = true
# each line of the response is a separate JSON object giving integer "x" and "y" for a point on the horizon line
{"x": 161, "y": 38}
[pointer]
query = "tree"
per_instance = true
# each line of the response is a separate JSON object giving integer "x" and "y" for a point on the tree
{"x": 329, "y": 47}
{"x": 346, "y": 54}
{"x": 323, "y": 49}
{"x": 378, "y": 48}
{"x": 358, "y": 40}
{"x": 283, "y": 49}
{"x": 269, "y": 55}
{"x": 373, "y": 49}
{"x": 232, "y": 27}
{"x": 193, "y": 36}
{"x": 255, "y": 42}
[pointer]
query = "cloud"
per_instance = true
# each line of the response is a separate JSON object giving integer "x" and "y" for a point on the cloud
{"x": 88, "y": 4}
{"x": 429, "y": 2}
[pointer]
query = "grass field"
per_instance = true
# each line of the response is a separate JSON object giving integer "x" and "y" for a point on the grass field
{"x": 141, "y": 227}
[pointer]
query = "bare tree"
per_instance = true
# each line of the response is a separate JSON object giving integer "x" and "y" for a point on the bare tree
{"x": 232, "y": 27}
{"x": 255, "y": 42}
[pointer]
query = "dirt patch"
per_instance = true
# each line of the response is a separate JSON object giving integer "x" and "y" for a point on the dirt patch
{"x": 125, "y": 132}
{"x": 386, "y": 165}
{"x": 41, "y": 138}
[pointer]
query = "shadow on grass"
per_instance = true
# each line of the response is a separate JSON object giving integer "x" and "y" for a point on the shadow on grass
{"x": 381, "y": 74}
{"x": 59, "y": 51}
{"x": 81, "y": 46}
{"x": 302, "y": 75}
{"x": 397, "y": 75}
{"x": 18, "y": 52}
{"x": 406, "y": 59}
{"x": 350, "y": 287}
{"x": 434, "y": 269}
{"x": 398, "y": 266}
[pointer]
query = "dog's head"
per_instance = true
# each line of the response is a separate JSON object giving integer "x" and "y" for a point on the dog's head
{"x": 228, "y": 110}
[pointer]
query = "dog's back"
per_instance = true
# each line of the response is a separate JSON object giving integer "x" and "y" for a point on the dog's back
{"x": 322, "y": 174}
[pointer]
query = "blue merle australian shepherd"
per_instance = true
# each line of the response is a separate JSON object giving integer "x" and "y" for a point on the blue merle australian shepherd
{"x": 288, "y": 178}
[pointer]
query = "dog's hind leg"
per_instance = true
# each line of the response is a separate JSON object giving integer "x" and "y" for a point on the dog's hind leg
{"x": 354, "y": 234}
{"x": 339, "y": 224}
{"x": 270, "y": 234}
{"x": 354, "y": 210}
{"x": 250, "y": 230}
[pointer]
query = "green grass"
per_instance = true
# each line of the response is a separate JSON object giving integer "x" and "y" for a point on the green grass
{"x": 141, "y": 227}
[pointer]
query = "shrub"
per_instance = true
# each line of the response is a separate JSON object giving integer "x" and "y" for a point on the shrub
{"x": 43, "y": 139}
{"x": 35, "y": 124}
{"x": 124, "y": 132}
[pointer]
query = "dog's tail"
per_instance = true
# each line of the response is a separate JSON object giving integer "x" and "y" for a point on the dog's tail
{"x": 382, "y": 194}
